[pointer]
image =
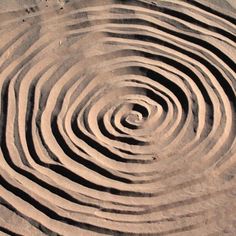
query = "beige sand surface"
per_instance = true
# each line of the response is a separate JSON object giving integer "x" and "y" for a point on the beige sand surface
{"x": 118, "y": 117}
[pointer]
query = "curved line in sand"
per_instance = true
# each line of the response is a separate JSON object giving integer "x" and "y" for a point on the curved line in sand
{"x": 117, "y": 117}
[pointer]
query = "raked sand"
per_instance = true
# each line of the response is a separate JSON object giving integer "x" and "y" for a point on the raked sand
{"x": 118, "y": 117}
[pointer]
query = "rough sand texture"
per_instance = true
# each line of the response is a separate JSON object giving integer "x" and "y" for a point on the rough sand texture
{"x": 117, "y": 117}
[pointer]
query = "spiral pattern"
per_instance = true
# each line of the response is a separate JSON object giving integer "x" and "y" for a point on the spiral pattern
{"x": 118, "y": 117}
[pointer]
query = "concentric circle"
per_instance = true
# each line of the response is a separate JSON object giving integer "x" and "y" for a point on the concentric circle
{"x": 118, "y": 117}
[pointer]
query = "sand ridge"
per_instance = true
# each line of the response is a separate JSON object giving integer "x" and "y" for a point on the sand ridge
{"x": 117, "y": 117}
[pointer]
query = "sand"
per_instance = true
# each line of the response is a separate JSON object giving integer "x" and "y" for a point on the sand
{"x": 118, "y": 117}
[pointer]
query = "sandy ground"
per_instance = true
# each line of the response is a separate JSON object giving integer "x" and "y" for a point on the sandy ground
{"x": 118, "y": 117}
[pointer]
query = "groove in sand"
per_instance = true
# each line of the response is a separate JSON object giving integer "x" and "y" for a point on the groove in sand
{"x": 117, "y": 117}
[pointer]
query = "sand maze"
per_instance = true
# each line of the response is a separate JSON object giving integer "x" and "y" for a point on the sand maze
{"x": 117, "y": 117}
